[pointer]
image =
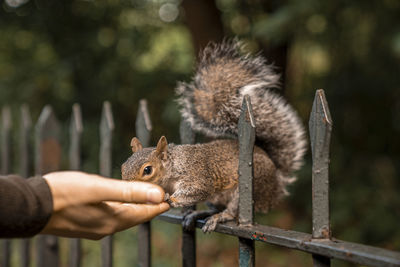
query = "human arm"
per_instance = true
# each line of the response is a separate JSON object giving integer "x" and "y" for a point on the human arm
{"x": 75, "y": 204}
{"x": 25, "y": 206}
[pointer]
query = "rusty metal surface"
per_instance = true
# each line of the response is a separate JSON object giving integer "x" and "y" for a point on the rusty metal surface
{"x": 143, "y": 132}
{"x": 246, "y": 148}
{"x": 246, "y": 130}
{"x": 24, "y": 170}
{"x": 351, "y": 252}
{"x": 5, "y": 169}
{"x": 47, "y": 159}
{"x": 188, "y": 236}
{"x": 320, "y": 135}
{"x": 106, "y": 130}
{"x": 75, "y": 131}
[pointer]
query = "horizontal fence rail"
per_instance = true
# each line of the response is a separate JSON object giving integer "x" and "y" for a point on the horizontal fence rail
{"x": 47, "y": 155}
{"x": 337, "y": 249}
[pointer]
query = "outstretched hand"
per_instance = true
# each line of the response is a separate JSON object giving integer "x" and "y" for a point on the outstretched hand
{"x": 90, "y": 206}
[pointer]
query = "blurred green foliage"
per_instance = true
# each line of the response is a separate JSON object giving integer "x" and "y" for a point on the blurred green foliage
{"x": 65, "y": 52}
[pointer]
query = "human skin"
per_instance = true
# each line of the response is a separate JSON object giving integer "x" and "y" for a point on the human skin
{"x": 91, "y": 206}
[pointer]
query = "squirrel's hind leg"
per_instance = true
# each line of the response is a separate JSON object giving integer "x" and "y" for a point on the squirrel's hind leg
{"x": 229, "y": 214}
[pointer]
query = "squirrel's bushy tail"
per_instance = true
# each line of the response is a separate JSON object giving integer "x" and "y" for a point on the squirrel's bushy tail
{"x": 211, "y": 103}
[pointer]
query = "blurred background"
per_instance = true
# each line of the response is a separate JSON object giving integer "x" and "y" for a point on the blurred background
{"x": 75, "y": 51}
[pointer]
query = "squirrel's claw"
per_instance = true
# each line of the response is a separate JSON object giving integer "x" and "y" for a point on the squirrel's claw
{"x": 171, "y": 201}
{"x": 212, "y": 221}
{"x": 210, "y": 224}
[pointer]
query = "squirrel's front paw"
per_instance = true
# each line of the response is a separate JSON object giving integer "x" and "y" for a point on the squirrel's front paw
{"x": 172, "y": 201}
{"x": 210, "y": 224}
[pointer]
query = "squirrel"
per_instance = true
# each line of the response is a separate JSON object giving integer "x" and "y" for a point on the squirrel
{"x": 211, "y": 104}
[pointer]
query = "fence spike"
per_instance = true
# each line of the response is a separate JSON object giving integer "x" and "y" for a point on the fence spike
{"x": 5, "y": 139}
{"x": 320, "y": 134}
{"x": 246, "y": 132}
{"x": 143, "y": 131}
{"x": 186, "y": 133}
{"x": 47, "y": 159}
{"x": 106, "y": 130}
{"x": 24, "y": 169}
{"x": 246, "y": 146}
{"x": 188, "y": 237}
{"x": 75, "y": 129}
{"x": 24, "y": 144}
{"x": 5, "y": 169}
{"x": 143, "y": 123}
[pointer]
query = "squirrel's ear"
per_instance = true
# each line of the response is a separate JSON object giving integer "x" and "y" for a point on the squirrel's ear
{"x": 162, "y": 148}
{"x": 136, "y": 145}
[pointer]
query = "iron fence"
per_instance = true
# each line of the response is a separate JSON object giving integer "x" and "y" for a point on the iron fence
{"x": 320, "y": 243}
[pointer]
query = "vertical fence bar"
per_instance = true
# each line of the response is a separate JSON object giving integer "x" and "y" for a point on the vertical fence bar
{"x": 320, "y": 125}
{"x": 75, "y": 130}
{"x": 47, "y": 159}
{"x": 246, "y": 208}
{"x": 143, "y": 130}
{"x": 106, "y": 129}
{"x": 24, "y": 158}
{"x": 188, "y": 237}
{"x": 5, "y": 169}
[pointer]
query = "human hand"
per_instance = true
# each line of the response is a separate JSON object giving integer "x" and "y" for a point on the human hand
{"x": 90, "y": 206}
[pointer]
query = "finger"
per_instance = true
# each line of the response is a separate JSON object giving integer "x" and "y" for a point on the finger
{"x": 130, "y": 192}
{"x": 75, "y": 187}
{"x": 130, "y": 215}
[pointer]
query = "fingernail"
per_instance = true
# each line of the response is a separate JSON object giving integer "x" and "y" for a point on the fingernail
{"x": 154, "y": 195}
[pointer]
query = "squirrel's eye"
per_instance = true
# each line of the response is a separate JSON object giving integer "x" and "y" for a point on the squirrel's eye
{"x": 147, "y": 170}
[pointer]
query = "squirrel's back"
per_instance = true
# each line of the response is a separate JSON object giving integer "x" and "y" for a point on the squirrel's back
{"x": 211, "y": 103}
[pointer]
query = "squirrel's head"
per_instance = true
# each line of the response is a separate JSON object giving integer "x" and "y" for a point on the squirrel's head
{"x": 146, "y": 164}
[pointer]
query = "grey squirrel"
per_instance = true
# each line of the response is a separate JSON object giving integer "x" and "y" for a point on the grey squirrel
{"x": 211, "y": 104}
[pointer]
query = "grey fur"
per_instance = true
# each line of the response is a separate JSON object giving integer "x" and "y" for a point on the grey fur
{"x": 278, "y": 127}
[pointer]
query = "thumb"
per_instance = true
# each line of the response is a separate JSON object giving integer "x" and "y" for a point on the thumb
{"x": 75, "y": 188}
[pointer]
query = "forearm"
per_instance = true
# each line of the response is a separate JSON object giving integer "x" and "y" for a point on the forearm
{"x": 25, "y": 206}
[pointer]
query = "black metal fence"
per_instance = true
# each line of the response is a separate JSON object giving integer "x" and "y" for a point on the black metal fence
{"x": 320, "y": 244}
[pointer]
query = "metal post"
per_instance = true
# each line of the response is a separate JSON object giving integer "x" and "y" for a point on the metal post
{"x": 75, "y": 130}
{"x": 5, "y": 168}
{"x": 24, "y": 169}
{"x": 188, "y": 237}
{"x": 47, "y": 159}
{"x": 106, "y": 129}
{"x": 320, "y": 134}
{"x": 246, "y": 206}
{"x": 143, "y": 130}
